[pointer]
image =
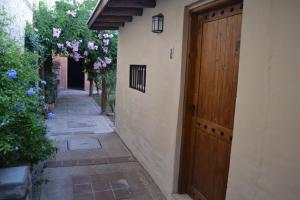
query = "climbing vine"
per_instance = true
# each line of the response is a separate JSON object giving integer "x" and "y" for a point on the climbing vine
{"x": 64, "y": 31}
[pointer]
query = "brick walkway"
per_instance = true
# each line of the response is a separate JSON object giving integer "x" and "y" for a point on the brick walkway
{"x": 92, "y": 163}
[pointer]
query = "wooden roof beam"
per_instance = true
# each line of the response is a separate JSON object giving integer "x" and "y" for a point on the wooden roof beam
{"x": 109, "y": 24}
{"x": 104, "y": 27}
{"x": 122, "y": 12}
{"x": 98, "y": 9}
{"x": 114, "y": 19}
{"x": 131, "y": 4}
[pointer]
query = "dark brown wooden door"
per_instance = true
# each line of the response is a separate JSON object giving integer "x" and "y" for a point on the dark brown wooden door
{"x": 217, "y": 59}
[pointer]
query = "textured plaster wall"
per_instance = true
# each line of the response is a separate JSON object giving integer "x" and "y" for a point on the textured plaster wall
{"x": 20, "y": 12}
{"x": 265, "y": 161}
{"x": 148, "y": 123}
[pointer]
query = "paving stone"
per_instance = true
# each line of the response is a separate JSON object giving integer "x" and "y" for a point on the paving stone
{"x": 83, "y": 143}
{"x": 88, "y": 172}
{"x": 76, "y": 124}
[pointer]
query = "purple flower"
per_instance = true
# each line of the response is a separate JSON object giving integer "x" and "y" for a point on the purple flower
{"x": 68, "y": 44}
{"x": 75, "y": 46}
{"x": 105, "y": 49}
{"x": 92, "y": 46}
{"x": 72, "y": 13}
{"x": 51, "y": 115}
{"x": 104, "y": 64}
{"x": 105, "y": 36}
{"x": 60, "y": 46}
{"x": 105, "y": 42}
{"x": 64, "y": 49}
{"x": 30, "y": 92}
{"x": 11, "y": 74}
{"x": 56, "y": 32}
{"x": 76, "y": 56}
{"x": 107, "y": 60}
{"x": 97, "y": 65}
{"x": 85, "y": 53}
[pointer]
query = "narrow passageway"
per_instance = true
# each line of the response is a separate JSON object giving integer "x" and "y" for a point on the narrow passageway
{"x": 91, "y": 163}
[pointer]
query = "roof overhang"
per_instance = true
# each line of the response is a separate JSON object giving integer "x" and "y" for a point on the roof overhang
{"x": 112, "y": 14}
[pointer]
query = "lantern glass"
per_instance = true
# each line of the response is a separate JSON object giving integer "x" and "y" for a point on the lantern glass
{"x": 158, "y": 23}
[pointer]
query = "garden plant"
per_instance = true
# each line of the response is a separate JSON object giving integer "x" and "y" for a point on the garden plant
{"x": 22, "y": 128}
{"x": 63, "y": 31}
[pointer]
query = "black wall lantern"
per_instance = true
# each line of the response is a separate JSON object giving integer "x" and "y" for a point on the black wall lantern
{"x": 158, "y": 23}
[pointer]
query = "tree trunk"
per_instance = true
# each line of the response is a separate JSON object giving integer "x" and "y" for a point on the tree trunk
{"x": 91, "y": 88}
{"x": 103, "y": 96}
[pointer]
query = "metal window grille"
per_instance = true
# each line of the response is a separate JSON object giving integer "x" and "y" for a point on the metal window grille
{"x": 137, "y": 77}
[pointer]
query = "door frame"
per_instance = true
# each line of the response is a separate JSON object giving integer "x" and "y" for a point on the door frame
{"x": 186, "y": 150}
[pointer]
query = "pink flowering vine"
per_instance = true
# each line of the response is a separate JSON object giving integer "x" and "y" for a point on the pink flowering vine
{"x": 92, "y": 46}
{"x": 76, "y": 56}
{"x": 56, "y": 32}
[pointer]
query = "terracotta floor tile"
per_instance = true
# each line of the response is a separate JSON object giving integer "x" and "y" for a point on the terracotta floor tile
{"x": 120, "y": 184}
{"x": 123, "y": 194}
{"x": 106, "y": 195}
{"x": 77, "y": 180}
{"x": 83, "y": 197}
{"x": 82, "y": 189}
{"x": 100, "y": 185}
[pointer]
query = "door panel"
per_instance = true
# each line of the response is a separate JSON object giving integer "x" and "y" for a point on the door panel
{"x": 215, "y": 92}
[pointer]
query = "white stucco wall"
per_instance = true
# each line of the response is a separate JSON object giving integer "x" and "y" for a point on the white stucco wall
{"x": 148, "y": 122}
{"x": 20, "y": 12}
{"x": 266, "y": 134}
{"x": 265, "y": 160}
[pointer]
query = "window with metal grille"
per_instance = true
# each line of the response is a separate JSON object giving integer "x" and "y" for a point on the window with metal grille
{"x": 137, "y": 77}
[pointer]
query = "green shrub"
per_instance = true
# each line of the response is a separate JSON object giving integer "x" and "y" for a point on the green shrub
{"x": 22, "y": 129}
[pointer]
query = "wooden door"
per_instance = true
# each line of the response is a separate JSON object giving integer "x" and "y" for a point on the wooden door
{"x": 216, "y": 59}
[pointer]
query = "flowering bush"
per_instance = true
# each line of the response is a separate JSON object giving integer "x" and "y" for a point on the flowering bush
{"x": 64, "y": 31}
{"x": 22, "y": 127}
